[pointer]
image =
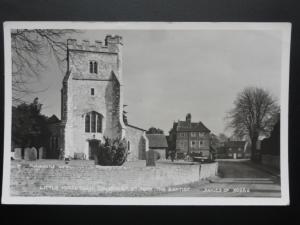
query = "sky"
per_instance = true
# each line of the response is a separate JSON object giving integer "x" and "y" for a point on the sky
{"x": 169, "y": 73}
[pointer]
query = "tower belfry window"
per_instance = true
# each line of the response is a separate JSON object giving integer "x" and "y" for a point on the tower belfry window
{"x": 93, "y": 67}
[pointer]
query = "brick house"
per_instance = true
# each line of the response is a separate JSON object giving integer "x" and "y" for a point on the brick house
{"x": 189, "y": 137}
{"x": 158, "y": 143}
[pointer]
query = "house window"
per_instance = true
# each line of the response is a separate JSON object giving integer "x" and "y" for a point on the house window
{"x": 193, "y": 134}
{"x": 93, "y": 67}
{"x": 200, "y": 142}
{"x": 182, "y": 144}
{"x": 128, "y": 146}
{"x": 193, "y": 144}
{"x": 182, "y": 134}
{"x": 92, "y": 91}
{"x": 93, "y": 122}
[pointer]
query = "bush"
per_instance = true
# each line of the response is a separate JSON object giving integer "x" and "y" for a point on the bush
{"x": 113, "y": 152}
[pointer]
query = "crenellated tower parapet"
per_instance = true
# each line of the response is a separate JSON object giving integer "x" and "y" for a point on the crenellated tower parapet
{"x": 111, "y": 44}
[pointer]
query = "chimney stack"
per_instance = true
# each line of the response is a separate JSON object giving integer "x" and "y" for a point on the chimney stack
{"x": 188, "y": 118}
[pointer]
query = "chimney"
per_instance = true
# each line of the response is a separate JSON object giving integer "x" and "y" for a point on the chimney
{"x": 188, "y": 118}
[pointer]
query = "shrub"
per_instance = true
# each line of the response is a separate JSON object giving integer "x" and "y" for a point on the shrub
{"x": 113, "y": 152}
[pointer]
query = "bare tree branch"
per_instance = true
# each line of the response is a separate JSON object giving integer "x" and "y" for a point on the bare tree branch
{"x": 254, "y": 114}
{"x": 31, "y": 50}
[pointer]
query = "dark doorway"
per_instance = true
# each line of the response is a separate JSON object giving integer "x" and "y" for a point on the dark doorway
{"x": 93, "y": 145}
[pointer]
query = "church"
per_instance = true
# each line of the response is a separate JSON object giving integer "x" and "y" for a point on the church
{"x": 92, "y": 102}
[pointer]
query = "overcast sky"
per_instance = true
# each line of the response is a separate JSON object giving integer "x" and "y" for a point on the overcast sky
{"x": 168, "y": 74}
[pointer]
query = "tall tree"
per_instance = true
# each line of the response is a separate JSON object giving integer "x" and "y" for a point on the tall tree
{"x": 254, "y": 114}
{"x": 153, "y": 130}
{"x": 29, "y": 127}
{"x": 222, "y": 137}
{"x": 31, "y": 51}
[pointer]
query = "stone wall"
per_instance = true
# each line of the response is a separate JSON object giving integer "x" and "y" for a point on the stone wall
{"x": 208, "y": 170}
{"x": 29, "y": 179}
{"x": 161, "y": 152}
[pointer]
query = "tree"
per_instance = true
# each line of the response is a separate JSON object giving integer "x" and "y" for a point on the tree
{"x": 29, "y": 126}
{"x": 222, "y": 137}
{"x": 153, "y": 130}
{"x": 214, "y": 140}
{"x": 254, "y": 114}
{"x": 31, "y": 51}
{"x": 113, "y": 152}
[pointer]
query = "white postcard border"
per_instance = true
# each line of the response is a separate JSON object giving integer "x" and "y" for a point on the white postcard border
{"x": 283, "y": 200}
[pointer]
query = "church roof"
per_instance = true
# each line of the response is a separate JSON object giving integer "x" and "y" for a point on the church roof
{"x": 135, "y": 127}
{"x": 157, "y": 141}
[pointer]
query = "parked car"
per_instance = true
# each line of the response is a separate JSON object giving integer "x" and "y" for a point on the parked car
{"x": 199, "y": 157}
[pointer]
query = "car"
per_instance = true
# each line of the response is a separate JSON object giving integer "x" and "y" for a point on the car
{"x": 198, "y": 157}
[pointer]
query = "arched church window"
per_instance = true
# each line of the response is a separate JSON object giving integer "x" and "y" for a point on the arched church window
{"x": 93, "y": 122}
{"x": 99, "y": 123}
{"x": 87, "y": 123}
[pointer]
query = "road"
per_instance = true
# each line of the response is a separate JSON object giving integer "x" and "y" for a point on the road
{"x": 236, "y": 179}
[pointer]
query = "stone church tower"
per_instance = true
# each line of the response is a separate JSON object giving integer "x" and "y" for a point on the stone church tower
{"x": 91, "y": 96}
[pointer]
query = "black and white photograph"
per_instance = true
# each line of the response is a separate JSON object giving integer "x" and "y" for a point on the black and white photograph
{"x": 146, "y": 113}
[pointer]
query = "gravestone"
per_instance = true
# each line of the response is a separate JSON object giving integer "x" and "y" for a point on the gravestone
{"x": 41, "y": 153}
{"x": 18, "y": 154}
{"x": 150, "y": 158}
{"x": 30, "y": 154}
{"x": 79, "y": 155}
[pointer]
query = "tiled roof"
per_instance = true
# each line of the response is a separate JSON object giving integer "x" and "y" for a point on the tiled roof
{"x": 187, "y": 126}
{"x": 235, "y": 144}
{"x": 53, "y": 119}
{"x": 157, "y": 141}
